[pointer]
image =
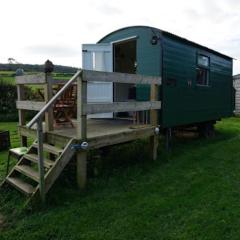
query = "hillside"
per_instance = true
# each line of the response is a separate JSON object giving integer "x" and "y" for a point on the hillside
{"x": 35, "y": 68}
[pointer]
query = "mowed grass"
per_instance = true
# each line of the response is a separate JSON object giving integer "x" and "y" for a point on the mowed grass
{"x": 9, "y": 76}
{"x": 14, "y": 137}
{"x": 192, "y": 192}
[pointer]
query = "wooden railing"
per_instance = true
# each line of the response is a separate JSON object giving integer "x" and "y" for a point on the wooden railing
{"x": 43, "y": 82}
{"x": 38, "y": 118}
{"x": 47, "y": 82}
{"x": 83, "y": 108}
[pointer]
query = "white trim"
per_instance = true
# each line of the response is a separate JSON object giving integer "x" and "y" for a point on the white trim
{"x": 95, "y": 47}
{"x": 236, "y": 77}
{"x": 124, "y": 39}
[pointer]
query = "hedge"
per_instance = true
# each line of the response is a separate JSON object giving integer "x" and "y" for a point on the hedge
{"x": 8, "y": 97}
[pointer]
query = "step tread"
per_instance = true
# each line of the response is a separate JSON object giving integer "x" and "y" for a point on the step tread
{"x": 50, "y": 148}
{"x": 28, "y": 171}
{"x": 18, "y": 183}
{"x": 34, "y": 158}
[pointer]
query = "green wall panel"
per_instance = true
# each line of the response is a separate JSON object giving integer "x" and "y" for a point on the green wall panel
{"x": 184, "y": 103}
{"x": 148, "y": 55}
{"x": 175, "y": 59}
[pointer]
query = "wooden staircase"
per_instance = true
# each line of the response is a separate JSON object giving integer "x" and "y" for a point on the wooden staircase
{"x": 38, "y": 169}
{"x": 25, "y": 174}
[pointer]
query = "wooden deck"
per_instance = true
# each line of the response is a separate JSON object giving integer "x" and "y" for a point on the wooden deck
{"x": 97, "y": 128}
{"x": 104, "y": 132}
{"x": 69, "y": 139}
{"x": 100, "y": 132}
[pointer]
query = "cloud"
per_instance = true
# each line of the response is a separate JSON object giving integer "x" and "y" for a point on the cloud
{"x": 213, "y": 23}
{"x": 232, "y": 47}
{"x": 192, "y": 13}
{"x": 53, "y": 50}
{"x": 93, "y": 25}
{"x": 108, "y": 9}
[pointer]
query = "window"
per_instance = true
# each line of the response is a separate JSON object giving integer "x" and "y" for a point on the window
{"x": 203, "y": 61}
{"x": 203, "y": 70}
{"x": 202, "y": 76}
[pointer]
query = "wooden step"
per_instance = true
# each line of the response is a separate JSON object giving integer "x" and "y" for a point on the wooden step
{"x": 22, "y": 186}
{"x": 28, "y": 171}
{"x": 34, "y": 158}
{"x": 49, "y": 148}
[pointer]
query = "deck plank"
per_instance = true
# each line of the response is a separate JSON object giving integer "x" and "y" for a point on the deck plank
{"x": 105, "y": 132}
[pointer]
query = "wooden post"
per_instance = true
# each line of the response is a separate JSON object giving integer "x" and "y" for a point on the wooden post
{"x": 154, "y": 122}
{"x": 82, "y": 169}
{"x": 81, "y": 132}
{"x": 48, "y": 94}
{"x": 21, "y": 113}
{"x": 41, "y": 160}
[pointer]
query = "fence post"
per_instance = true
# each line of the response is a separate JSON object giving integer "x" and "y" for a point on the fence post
{"x": 48, "y": 94}
{"x": 154, "y": 122}
{"x": 21, "y": 113}
{"x": 41, "y": 159}
{"x": 81, "y": 132}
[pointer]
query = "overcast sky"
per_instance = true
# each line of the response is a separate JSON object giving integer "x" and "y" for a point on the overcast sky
{"x": 33, "y": 31}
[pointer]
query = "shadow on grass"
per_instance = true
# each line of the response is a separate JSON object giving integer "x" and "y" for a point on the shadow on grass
{"x": 131, "y": 158}
{"x": 118, "y": 160}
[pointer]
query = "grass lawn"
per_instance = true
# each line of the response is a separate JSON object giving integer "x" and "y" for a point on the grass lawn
{"x": 9, "y": 76}
{"x": 12, "y": 128}
{"x": 191, "y": 193}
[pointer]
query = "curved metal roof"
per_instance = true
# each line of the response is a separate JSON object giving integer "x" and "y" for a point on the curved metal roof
{"x": 170, "y": 35}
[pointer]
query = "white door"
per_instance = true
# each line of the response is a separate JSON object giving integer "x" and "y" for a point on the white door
{"x": 98, "y": 57}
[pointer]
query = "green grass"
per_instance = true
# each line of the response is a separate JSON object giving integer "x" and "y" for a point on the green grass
{"x": 12, "y": 128}
{"x": 191, "y": 193}
{"x": 8, "y": 76}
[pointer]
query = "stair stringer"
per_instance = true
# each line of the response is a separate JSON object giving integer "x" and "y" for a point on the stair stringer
{"x": 18, "y": 163}
{"x": 61, "y": 162}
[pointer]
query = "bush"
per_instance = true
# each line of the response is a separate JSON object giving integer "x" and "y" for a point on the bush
{"x": 8, "y": 97}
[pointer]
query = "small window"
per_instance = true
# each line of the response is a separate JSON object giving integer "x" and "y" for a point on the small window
{"x": 203, "y": 61}
{"x": 203, "y": 70}
{"x": 202, "y": 76}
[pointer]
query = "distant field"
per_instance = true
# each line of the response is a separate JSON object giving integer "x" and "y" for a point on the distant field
{"x": 9, "y": 76}
{"x": 7, "y": 72}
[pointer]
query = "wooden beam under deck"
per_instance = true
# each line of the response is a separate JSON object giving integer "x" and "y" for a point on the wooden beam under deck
{"x": 50, "y": 137}
{"x": 100, "y": 133}
{"x": 26, "y": 132}
{"x": 125, "y": 136}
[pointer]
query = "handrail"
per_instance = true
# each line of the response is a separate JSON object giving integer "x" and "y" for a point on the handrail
{"x": 99, "y": 76}
{"x": 40, "y": 138}
{"x": 58, "y": 94}
{"x": 84, "y": 108}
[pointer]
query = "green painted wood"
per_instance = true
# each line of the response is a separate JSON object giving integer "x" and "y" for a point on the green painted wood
{"x": 148, "y": 55}
{"x": 176, "y": 58}
{"x": 187, "y": 104}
